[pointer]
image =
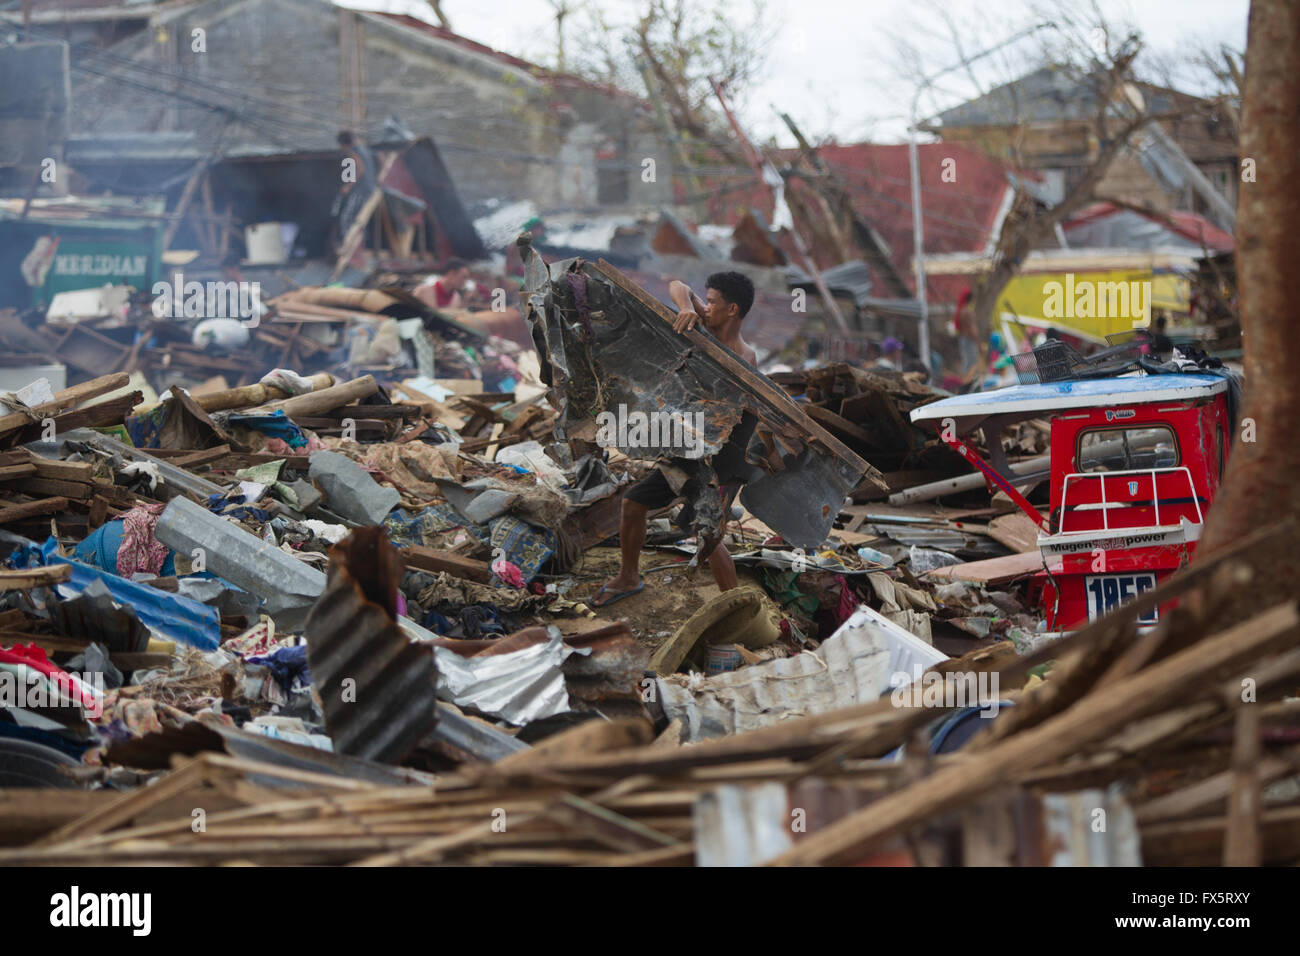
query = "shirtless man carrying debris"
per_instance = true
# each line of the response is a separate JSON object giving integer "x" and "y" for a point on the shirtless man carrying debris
{"x": 728, "y": 297}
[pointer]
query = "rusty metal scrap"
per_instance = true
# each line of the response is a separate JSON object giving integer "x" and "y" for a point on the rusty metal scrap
{"x": 353, "y": 634}
{"x": 608, "y": 346}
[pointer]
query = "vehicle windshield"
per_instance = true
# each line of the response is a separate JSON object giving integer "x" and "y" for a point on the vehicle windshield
{"x": 1127, "y": 449}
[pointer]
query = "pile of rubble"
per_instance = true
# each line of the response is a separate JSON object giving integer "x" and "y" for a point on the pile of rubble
{"x": 351, "y": 621}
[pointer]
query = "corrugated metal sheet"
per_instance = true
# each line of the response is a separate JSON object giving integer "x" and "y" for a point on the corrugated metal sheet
{"x": 1090, "y": 828}
{"x": 848, "y": 278}
{"x": 100, "y": 619}
{"x": 741, "y": 826}
{"x": 749, "y": 825}
{"x": 853, "y": 666}
{"x": 519, "y": 687}
{"x": 389, "y": 704}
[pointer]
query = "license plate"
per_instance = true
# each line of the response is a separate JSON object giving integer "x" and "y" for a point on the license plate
{"x": 1105, "y": 592}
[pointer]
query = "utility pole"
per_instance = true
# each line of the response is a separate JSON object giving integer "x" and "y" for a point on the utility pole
{"x": 913, "y": 163}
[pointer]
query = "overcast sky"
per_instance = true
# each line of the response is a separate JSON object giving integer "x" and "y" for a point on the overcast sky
{"x": 836, "y": 64}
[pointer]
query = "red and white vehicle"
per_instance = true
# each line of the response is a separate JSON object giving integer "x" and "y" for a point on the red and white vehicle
{"x": 1135, "y": 463}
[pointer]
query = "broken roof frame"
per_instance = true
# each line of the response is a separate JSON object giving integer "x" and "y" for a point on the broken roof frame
{"x": 623, "y": 350}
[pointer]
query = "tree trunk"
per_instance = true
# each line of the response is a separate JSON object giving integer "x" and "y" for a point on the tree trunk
{"x": 1021, "y": 231}
{"x": 1262, "y": 484}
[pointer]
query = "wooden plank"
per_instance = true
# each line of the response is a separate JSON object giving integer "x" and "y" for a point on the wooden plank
{"x": 1095, "y": 717}
{"x": 606, "y": 826}
{"x": 57, "y": 645}
{"x": 852, "y": 538}
{"x": 249, "y": 395}
{"x": 1199, "y": 842}
{"x": 592, "y": 736}
{"x": 1241, "y": 843}
{"x": 494, "y": 441}
{"x": 405, "y": 411}
{"x": 15, "y": 618}
{"x": 26, "y": 814}
{"x": 10, "y": 472}
{"x": 1209, "y": 794}
{"x": 990, "y": 570}
{"x": 356, "y": 232}
{"x": 238, "y": 459}
{"x": 324, "y": 399}
{"x": 110, "y": 412}
{"x": 32, "y": 509}
{"x": 24, "y": 578}
{"x": 370, "y": 426}
{"x": 128, "y": 807}
{"x": 53, "y": 486}
{"x": 183, "y": 203}
{"x": 203, "y": 457}
{"x": 430, "y": 559}
{"x": 838, "y": 424}
{"x": 66, "y": 398}
{"x": 63, "y": 470}
{"x": 1016, "y": 531}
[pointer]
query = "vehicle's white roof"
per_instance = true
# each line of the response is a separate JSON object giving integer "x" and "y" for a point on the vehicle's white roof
{"x": 1082, "y": 393}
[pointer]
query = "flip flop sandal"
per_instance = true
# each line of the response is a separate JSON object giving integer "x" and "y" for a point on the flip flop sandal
{"x": 617, "y": 597}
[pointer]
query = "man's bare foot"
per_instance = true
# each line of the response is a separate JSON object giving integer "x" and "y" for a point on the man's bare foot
{"x": 615, "y": 589}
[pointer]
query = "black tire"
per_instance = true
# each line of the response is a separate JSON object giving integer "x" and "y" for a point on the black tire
{"x": 27, "y": 764}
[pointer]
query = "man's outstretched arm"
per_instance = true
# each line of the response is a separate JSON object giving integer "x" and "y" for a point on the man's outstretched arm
{"x": 689, "y": 305}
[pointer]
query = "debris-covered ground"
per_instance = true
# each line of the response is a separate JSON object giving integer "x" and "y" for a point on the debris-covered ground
{"x": 543, "y": 470}
{"x": 382, "y": 590}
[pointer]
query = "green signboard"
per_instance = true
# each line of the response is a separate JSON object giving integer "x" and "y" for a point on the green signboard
{"x": 90, "y": 263}
{"x": 118, "y": 247}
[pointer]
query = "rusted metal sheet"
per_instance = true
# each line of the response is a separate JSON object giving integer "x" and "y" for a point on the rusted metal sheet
{"x": 609, "y": 346}
{"x": 607, "y": 676}
{"x": 376, "y": 686}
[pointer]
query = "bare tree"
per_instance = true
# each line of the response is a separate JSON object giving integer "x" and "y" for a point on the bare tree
{"x": 1030, "y": 224}
{"x": 562, "y": 9}
{"x": 682, "y": 44}
{"x": 1222, "y": 65}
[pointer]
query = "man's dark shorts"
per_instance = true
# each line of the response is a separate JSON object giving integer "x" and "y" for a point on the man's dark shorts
{"x": 654, "y": 492}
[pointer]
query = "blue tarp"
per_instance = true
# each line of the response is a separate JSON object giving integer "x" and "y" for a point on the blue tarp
{"x": 174, "y": 617}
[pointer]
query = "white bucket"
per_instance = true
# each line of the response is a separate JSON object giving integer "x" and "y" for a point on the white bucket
{"x": 265, "y": 242}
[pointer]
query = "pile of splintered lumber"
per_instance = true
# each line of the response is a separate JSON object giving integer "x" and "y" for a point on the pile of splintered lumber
{"x": 1162, "y": 713}
{"x": 32, "y": 488}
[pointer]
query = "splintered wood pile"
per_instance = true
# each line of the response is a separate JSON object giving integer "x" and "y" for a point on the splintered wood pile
{"x": 1173, "y": 733}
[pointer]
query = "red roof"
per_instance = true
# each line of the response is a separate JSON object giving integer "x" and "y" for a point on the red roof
{"x": 960, "y": 207}
{"x": 1189, "y": 225}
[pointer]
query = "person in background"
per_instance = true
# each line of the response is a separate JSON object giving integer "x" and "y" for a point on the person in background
{"x": 891, "y": 354}
{"x": 357, "y": 185}
{"x": 448, "y": 290}
{"x": 1161, "y": 345}
{"x": 1001, "y": 363}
